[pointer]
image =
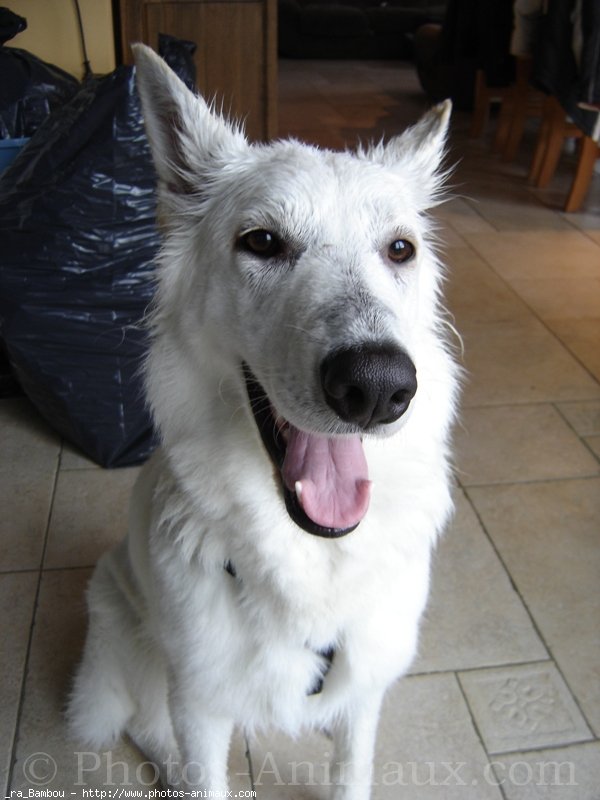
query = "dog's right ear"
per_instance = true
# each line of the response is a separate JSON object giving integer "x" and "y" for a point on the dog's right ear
{"x": 186, "y": 136}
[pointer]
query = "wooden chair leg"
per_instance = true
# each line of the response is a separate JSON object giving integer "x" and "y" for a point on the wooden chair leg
{"x": 557, "y": 121}
{"x": 520, "y": 107}
{"x": 503, "y": 127}
{"x": 541, "y": 144}
{"x": 588, "y": 154}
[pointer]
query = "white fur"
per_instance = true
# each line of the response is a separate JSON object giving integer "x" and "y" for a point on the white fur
{"x": 179, "y": 652}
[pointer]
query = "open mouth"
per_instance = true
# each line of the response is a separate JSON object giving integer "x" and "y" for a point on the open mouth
{"x": 324, "y": 479}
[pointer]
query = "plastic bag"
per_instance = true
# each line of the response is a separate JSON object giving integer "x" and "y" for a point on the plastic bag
{"x": 77, "y": 224}
{"x": 30, "y": 88}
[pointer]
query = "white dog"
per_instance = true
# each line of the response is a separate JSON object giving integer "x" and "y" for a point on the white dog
{"x": 277, "y": 561}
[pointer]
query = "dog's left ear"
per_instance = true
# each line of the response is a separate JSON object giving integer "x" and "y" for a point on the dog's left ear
{"x": 419, "y": 151}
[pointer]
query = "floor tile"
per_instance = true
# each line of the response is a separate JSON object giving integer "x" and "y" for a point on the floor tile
{"x": 83, "y": 524}
{"x": 581, "y": 336}
{"x": 526, "y": 254}
{"x": 505, "y": 444}
{"x": 427, "y": 746}
{"x": 586, "y": 221}
{"x": 515, "y": 210}
{"x": 25, "y": 504}
{"x": 446, "y": 237}
{"x": 73, "y": 458}
{"x": 593, "y": 442}
{"x": 548, "y": 537}
{"x": 474, "y": 617}
{"x": 523, "y": 707}
{"x": 28, "y": 463}
{"x": 29, "y": 446}
{"x": 571, "y": 773}
{"x": 521, "y": 363}
{"x": 475, "y": 294}
{"x": 17, "y": 595}
{"x": 291, "y": 769}
{"x": 584, "y": 417}
{"x": 464, "y": 217}
{"x": 46, "y": 756}
{"x": 561, "y": 298}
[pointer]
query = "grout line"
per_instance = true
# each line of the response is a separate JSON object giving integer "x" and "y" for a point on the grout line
{"x": 71, "y": 567}
{"x": 528, "y": 482}
{"x": 583, "y": 437}
{"x": 21, "y": 571}
{"x": 543, "y": 748}
{"x": 476, "y": 726}
{"x": 568, "y": 218}
{"x": 40, "y": 571}
{"x": 586, "y": 444}
{"x": 250, "y": 765}
{"x": 541, "y": 402}
{"x": 460, "y": 670}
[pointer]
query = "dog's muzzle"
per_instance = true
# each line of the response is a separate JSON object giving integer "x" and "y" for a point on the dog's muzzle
{"x": 325, "y": 478}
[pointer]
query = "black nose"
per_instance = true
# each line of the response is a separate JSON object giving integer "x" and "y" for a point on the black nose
{"x": 369, "y": 384}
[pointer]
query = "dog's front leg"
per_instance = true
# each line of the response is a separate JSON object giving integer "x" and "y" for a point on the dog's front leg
{"x": 354, "y": 737}
{"x": 203, "y": 741}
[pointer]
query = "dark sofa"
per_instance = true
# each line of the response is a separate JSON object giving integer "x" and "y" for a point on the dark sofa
{"x": 352, "y": 28}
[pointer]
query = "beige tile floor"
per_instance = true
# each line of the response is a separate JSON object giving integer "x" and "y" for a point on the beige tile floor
{"x": 503, "y": 702}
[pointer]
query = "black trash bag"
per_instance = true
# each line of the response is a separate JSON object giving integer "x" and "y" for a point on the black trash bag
{"x": 30, "y": 88}
{"x": 78, "y": 232}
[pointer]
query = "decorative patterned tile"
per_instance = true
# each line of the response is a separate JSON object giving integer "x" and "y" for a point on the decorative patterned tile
{"x": 523, "y": 707}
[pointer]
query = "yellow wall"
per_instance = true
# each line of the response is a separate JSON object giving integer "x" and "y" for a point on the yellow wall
{"x": 53, "y": 35}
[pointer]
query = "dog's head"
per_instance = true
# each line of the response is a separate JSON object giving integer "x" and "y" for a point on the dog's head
{"x": 310, "y": 271}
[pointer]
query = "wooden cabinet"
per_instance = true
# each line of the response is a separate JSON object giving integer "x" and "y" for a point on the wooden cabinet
{"x": 236, "y": 57}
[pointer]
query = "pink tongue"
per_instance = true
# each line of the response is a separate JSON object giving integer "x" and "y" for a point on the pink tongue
{"x": 333, "y": 475}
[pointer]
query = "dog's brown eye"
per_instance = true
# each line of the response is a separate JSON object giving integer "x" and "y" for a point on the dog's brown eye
{"x": 400, "y": 251}
{"x": 262, "y": 243}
